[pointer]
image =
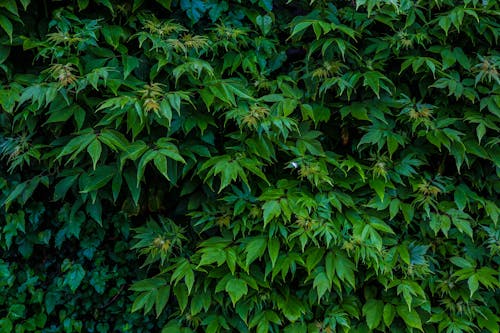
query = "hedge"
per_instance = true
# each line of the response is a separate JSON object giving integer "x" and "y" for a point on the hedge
{"x": 249, "y": 166}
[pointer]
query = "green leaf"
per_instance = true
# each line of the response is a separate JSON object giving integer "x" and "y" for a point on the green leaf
{"x": 76, "y": 145}
{"x": 142, "y": 300}
{"x": 272, "y": 209}
{"x": 148, "y": 284}
{"x": 18, "y": 190}
{"x": 96, "y": 179}
{"x": 322, "y": 284}
{"x": 389, "y": 314}
{"x": 6, "y": 25}
{"x": 161, "y": 299}
{"x": 273, "y": 247}
{"x": 462, "y": 59}
{"x": 113, "y": 139}
{"x": 165, "y": 3}
{"x": 181, "y": 294}
{"x": 357, "y": 110}
{"x": 107, "y": 4}
{"x": 129, "y": 64}
{"x": 83, "y": 4}
{"x": 113, "y": 34}
{"x": 145, "y": 159}
{"x": 211, "y": 256}
{"x": 300, "y": 27}
{"x": 94, "y": 149}
{"x": 74, "y": 277}
{"x": 160, "y": 162}
{"x": 51, "y": 300}
{"x": 411, "y": 318}
{"x": 195, "y": 9}
{"x": 473, "y": 283}
{"x": 344, "y": 269}
{"x": 10, "y": 5}
{"x": 236, "y": 288}
{"x": 60, "y": 115}
{"x": 94, "y": 209}
{"x": 379, "y": 186}
{"x": 373, "y": 312}
{"x": 63, "y": 186}
{"x": 133, "y": 185}
{"x": 6, "y": 325}
{"x": 264, "y": 23}
{"x": 254, "y": 249}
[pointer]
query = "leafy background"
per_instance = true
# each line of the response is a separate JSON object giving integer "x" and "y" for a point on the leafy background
{"x": 268, "y": 166}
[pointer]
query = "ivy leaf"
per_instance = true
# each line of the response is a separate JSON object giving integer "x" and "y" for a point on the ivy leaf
{"x": 74, "y": 277}
{"x": 195, "y": 9}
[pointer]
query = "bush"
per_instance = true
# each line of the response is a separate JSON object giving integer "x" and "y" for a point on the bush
{"x": 268, "y": 166}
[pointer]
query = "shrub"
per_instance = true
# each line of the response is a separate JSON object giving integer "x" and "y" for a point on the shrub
{"x": 269, "y": 166}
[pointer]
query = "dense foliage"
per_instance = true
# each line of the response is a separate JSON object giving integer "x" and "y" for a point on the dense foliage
{"x": 237, "y": 166}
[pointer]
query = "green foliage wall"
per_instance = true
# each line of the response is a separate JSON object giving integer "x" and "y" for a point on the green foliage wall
{"x": 249, "y": 166}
